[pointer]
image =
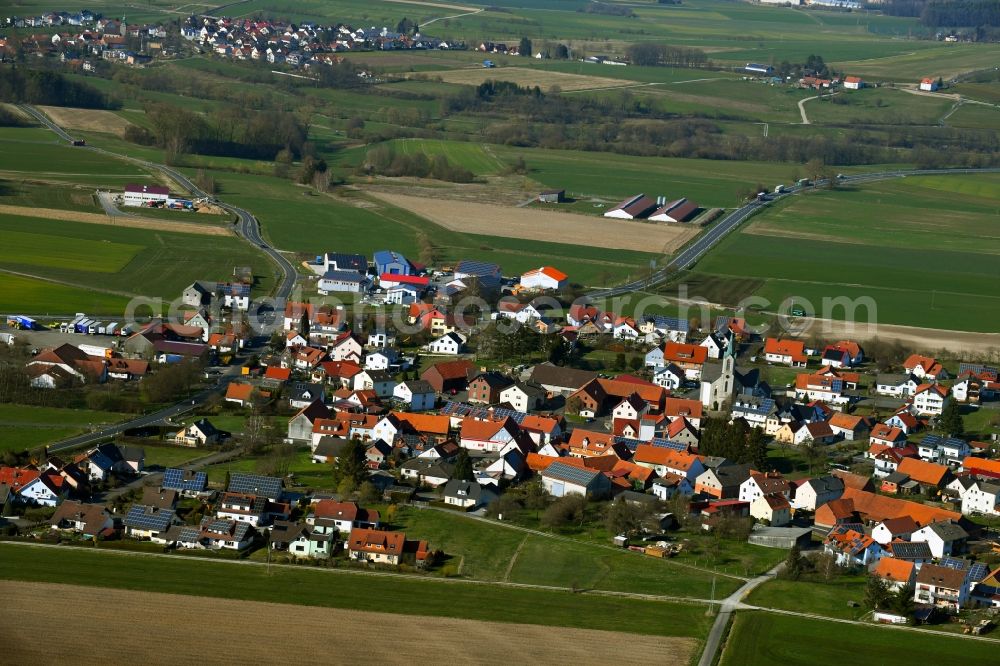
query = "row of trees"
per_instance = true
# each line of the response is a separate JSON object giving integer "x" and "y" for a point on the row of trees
{"x": 19, "y": 84}
{"x": 647, "y": 54}
{"x": 230, "y": 130}
{"x": 384, "y": 160}
{"x": 952, "y": 13}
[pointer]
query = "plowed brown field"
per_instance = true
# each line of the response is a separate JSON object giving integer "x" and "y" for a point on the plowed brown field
{"x": 90, "y": 625}
{"x": 543, "y": 225}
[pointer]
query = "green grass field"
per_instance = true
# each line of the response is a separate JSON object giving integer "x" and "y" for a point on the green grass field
{"x": 408, "y": 595}
{"x": 829, "y": 598}
{"x": 763, "y": 639}
{"x": 42, "y": 156}
{"x": 487, "y": 550}
{"x": 26, "y": 427}
{"x": 922, "y": 248}
{"x": 24, "y": 294}
{"x": 165, "y": 455}
{"x": 130, "y": 261}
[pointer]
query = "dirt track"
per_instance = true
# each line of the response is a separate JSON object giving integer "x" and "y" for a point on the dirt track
{"x": 121, "y": 221}
{"x": 104, "y": 626}
{"x": 544, "y": 225}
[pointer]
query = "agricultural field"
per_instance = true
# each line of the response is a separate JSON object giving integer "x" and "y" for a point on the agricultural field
{"x": 26, "y": 153}
{"x": 975, "y": 116}
{"x": 95, "y": 609}
{"x": 878, "y": 241}
{"x": 526, "y": 77}
{"x": 119, "y": 260}
{"x": 90, "y": 120}
{"x": 878, "y": 106}
{"x": 763, "y": 639}
{"x": 19, "y": 293}
{"x": 330, "y": 589}
{"x": 546, "y": 225}
{"x": 26, "y": 427}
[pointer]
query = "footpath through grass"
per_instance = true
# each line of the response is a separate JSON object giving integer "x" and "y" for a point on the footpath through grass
{"x": 310, "y": 587}
{"x": 765, "y": 639}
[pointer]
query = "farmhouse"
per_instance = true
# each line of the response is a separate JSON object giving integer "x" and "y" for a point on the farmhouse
{"x": 853, "y": 83}
{"x": 633, "y": 208}
{"x": 928, "y": 84}
{"x": 145, "y": 195}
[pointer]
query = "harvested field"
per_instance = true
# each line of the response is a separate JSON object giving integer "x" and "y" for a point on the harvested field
{"x": 87, "y": 120}
{"x": 120, "y": 221}
{"x": 160, "y": 627}
{"x": 440, "y": 5}
{"x": 529, "y": 77}
{"x": 549, "y": 226}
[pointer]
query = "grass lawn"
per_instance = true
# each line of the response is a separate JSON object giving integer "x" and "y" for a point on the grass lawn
{"x": 482, "y": 551}
{"x": 27, "y": 427}
{"x": 434, "y": 598}
{"x": 162, "y": 456}
{"x": 763, "y": 639}
{"x": 485, "y": 551}
{"x": 813, "y": 595}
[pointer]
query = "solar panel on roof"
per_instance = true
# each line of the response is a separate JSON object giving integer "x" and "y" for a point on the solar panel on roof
{"x": 174, "y": 480}
{"x": 254, "y": 484}
{"x": 569, "y": 473}
{"x": 667, "y": 444}
{"x": 480, "y": 268}
{"x": 144, "y": 518}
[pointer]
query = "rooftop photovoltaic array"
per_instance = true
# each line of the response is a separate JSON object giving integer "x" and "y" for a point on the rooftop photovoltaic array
{"x": 179, "y": 479}
{"x": 254, "y": 484}
{"x": 565, "y": 472}
{"x": 149, "y": 518}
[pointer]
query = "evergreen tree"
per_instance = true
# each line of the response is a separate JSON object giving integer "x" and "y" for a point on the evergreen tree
{"x": 350, "y": 466}
{"x": 463, "y": 467}
{"x": 877, "y": 593}
{"x": 524, "y": 48}
{"x": 951, "y": 419}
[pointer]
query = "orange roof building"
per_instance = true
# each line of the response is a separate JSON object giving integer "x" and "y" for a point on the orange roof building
{"x": 788, "y": 352}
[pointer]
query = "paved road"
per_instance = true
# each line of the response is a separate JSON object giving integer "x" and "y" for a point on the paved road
{"x": 720, "y": 229}
{"x": 730, "y": 604}
{"x": 178, "y": 409}
{"x": 248, "y": 229}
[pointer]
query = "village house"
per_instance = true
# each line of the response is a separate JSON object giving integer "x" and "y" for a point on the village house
{"x": 930, "y": 399}
{"x": 468, "y": 495}
{"x": 942, "y": 587}
{"x": 785, "y": 352}
{"x": 773, "y": 510}
{"x": 199, "y": 433}
{"x": 560, "y": 479}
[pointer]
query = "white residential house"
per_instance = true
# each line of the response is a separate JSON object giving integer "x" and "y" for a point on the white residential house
{"x": 449, "y": 344}
{"x": 771, "y": 509}
{"x": 402, "y": 294}
{"x": 896, "y": 385}
{"x": 982, "y": 497}
{"x": 814, "y": 493}
{"x": 381, "y": 359}
{"x": 719, "y": 344}
{"x": 930, "y": 399}
{"x": 416, "y": 393}
{"x": 523, "y": 397}
{"x": 943, "y": 538}
{"x": 670, "y": 377}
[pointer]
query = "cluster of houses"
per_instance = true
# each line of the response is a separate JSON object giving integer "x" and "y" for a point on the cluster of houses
{"x": 252, "y": 510}
{"x": 299, "y": 45}
{"x": 56, "y": 480}
{"x": 88, "y": 35}
{"x": 659, "y": 209}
